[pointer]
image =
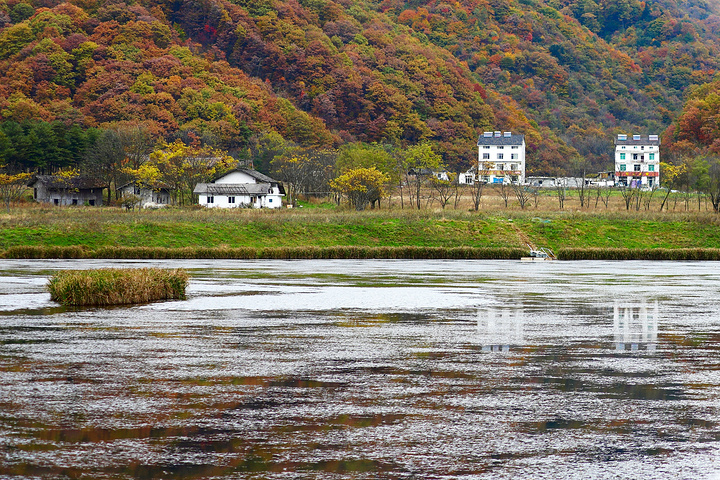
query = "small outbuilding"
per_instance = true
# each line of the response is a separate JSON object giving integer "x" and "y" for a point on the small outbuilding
{"x": 146, "y": 197}
{"x": 59, "y": 190}
{"x": 242, "y": 187}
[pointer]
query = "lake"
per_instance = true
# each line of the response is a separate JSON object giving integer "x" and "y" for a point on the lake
{"x": 368, "y": 369}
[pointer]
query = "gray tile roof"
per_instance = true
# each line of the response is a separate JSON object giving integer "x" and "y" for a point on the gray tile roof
{"x": 262, "y": 178}
{"x": 232, "y": 188}
{"x": 644, "y": 140}
{"x": 53, "y": 182}
{"x": 514, "y": 139}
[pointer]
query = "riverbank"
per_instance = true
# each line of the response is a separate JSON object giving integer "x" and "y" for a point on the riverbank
{"x": 34, "y": 232}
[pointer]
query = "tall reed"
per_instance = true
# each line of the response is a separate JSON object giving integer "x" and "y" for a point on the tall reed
{"x": 306, "y": 252}
{"x": 112, "y": 286}
{"x": 639, "y": 254}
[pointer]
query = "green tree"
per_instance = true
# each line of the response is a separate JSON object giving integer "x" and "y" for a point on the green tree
{"x": 105, "y": 160}
{"x": 419, "y": 163}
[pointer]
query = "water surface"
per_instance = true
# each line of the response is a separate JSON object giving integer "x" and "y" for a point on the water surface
{"x": 368, "y": 369}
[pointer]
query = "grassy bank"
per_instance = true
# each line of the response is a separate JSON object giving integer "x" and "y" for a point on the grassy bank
{"x": 34, "y": 232}
{"x": 117, "y": 286}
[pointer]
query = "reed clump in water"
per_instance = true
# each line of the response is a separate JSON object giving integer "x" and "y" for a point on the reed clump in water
{"x": 113, "y": 286}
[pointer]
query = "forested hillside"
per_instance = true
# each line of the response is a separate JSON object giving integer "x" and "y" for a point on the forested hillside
{"x": 324, "y": 73}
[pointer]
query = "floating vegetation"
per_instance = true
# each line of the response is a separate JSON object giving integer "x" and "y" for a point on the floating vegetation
{"x": 113, "y": 286}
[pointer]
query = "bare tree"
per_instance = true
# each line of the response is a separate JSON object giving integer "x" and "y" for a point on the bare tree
{"x": 579, "y": 168}
{"x": 647, "y": 197}
{"x": 535, "y": 194}
{"x": 504, "y": 190}
{"x": 628, "y": 194}
{"x": 561, "y": 192}
{"x": 604, "y": 193}
{"x": 713, "y": 187}
{"x": 522, "y": 194}
{"x": 479, "y": 183}
{"x": 442, "y": 190}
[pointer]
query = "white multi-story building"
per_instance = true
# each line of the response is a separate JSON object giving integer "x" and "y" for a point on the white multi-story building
{"x": 637, "y": 161}
{"x": 501, "y": 157}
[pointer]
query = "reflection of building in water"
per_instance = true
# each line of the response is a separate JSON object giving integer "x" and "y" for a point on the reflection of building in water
{"x": 635, "y": 326}
{"x": 500, "y": 328}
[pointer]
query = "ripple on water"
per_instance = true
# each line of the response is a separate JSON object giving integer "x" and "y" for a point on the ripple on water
{"x": 366, "y": 369}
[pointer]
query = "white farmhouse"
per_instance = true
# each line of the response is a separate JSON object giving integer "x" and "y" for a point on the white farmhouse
{"x": 241, "y": 187}
{"x": 637, "y": 161}
{"x": 501, "y": 157}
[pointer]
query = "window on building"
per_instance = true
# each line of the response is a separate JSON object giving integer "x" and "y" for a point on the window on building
{"x": 635, "y": 156}
{"x": 91, "y": 202}
{"x": 501, "y": 166}
{"x": 622, "y": 167}
{"x": 231, "y": 199}
{"x": 211, "y": 199}
{"x": 486, "y": 156}
{"x": 500, "y": 156}
{"x": 500, "y": 147}
{"x": 651, "y": 168}
{"x": 642, "y": 157}
{"x": 487, "y": 147}
{"x": 622, "y": 156}
{"x": 269, "y": 200}
{"x": 513, "y": 156}
{"x": 513, "y": 166}
{"x": 651, "y": 156}
{"x": 56, "y": 201}
{"x": 636, "y": 168}
{"x": 515, "y": 147}
{"x": 74, "y": 202}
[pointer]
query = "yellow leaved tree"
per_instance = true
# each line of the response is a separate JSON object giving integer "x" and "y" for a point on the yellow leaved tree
{"x": 12, "y": 187}
{"x": 361, "y": 186}
{"x": 180, "y": 167}
{"x": 672, "y": 177}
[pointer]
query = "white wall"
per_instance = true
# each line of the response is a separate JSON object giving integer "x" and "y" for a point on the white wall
{"x": 643, "y": 153}
{"x": 507, "y": 161}
{"x": 261, "y": 201}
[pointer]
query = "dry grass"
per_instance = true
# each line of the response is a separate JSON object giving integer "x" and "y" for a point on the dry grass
{"x": 117, "y": 286}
